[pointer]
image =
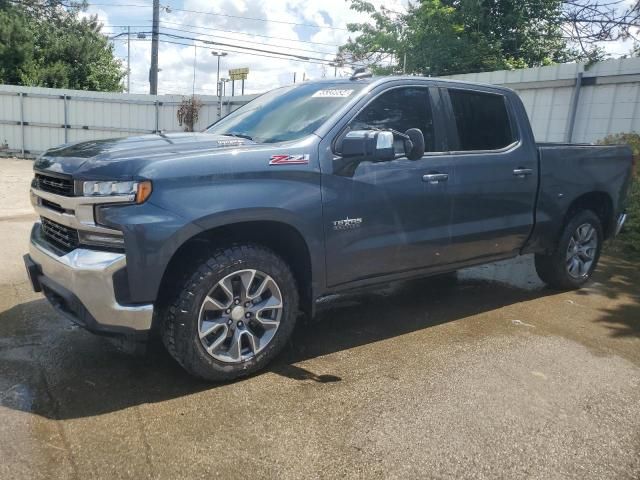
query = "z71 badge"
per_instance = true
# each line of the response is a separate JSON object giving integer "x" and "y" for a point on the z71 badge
{"x": 289, "y": 159}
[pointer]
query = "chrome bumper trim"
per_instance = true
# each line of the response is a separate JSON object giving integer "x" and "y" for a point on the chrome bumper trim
{"x": 620, "y": 223}
{"x": 88, "y": 274}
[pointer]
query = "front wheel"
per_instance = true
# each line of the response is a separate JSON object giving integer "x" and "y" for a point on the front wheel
{"x": 576, "y": 255}
{"x": 233, "y": 315}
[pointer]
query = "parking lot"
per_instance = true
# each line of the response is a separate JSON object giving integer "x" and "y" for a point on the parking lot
{"x": 483, "y": 375}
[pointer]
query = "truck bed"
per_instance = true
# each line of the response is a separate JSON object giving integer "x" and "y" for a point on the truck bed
{"x": 571, "y": 172}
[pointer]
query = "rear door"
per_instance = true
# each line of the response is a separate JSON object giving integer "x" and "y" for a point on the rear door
{"x": 494, "y": 180}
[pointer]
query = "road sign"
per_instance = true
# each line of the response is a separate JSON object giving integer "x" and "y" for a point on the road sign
{"x": 238, "y": 73}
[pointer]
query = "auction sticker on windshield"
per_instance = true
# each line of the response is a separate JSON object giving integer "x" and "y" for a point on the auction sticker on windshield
{"x": 333, "y": 93}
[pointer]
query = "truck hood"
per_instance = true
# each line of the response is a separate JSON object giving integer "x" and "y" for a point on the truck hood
{"x": 123, "y": 157}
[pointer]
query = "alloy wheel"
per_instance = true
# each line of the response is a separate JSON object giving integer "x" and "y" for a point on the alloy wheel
{"x": 240, "y": 316}
{"x": 582, "y": 249}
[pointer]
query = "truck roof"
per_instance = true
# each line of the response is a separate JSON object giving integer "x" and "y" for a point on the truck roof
{"x": 379, "y": 80}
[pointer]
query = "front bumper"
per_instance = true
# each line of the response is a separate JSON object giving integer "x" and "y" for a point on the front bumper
{"x": 80, "y": 285}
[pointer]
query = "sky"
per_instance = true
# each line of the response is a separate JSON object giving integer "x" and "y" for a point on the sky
{"x": 308, "y": 28}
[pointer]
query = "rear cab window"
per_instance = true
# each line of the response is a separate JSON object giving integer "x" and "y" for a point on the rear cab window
{"x": 482, "y": 120}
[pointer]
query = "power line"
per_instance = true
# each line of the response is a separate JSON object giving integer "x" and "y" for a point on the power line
{"x": 211, "y": 42}
{"x": 259, "y": 19}
{"x": 249, "y": 41}
{"x": 199, "y": 12}
{"x": 111, "y": 27}
{"x": 276, "y": 55}
{"x": 327, "y": 62}
{"x": 247, "y": 33}
{"x": 241, "y": 47}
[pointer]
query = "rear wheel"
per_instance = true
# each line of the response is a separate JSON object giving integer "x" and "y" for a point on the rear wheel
{"x": 576, "y": 255}
{"x": 233, "y": 315}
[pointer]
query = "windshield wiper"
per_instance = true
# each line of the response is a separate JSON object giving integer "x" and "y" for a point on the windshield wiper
{"x": 238, "y": 135}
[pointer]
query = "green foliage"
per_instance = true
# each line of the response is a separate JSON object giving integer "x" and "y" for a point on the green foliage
{"x": 629, "y": 240}
{"x": 631, "y": 139}
{"x": 444, "y": 37}
{"x": 45, "y": 44}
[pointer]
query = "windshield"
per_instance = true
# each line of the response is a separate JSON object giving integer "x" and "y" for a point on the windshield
{"x": 286, "y": 113}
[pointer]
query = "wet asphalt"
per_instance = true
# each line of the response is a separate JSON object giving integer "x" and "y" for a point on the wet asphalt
{"x": 484, "y": 375}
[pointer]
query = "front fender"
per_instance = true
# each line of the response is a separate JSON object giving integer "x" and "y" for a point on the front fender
{"x": 177, "y": 212}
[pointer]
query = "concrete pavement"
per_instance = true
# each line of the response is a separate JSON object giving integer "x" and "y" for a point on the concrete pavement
{"x": 489, "y": 375}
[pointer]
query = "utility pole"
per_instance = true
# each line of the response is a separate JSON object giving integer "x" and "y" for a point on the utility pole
{"x": 219, "y": 87}
{"x": 128, "y": 59}
{"x": 155, "y": 37}
{"x": 195, "y": 56}
{"x": 404, "y": 64}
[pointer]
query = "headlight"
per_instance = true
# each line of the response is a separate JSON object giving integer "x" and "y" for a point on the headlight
{"x": 141, "y": 190}
{"x": 109, "y": 188}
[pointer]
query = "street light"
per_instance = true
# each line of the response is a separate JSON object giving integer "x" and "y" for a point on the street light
{"x": 219, "y": 54}
{"x": 223, "y": 86}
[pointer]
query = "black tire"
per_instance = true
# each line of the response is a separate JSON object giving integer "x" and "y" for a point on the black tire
{"x": 553, "y": 269}
{"x": 180, "y": 321}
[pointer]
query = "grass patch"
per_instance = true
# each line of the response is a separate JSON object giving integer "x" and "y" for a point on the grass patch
{"x": 628, "y": 243}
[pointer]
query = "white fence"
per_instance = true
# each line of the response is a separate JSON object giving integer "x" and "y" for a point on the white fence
{"x": 565, "y": 103}
{"x": 34, "y": 119}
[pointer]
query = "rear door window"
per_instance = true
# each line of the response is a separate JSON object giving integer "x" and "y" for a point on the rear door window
{"x": 482, "y": 120}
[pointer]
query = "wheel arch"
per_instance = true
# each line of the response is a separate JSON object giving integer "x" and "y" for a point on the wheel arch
{"x": 600, "y": 203}
{"x": 285, "y": 239}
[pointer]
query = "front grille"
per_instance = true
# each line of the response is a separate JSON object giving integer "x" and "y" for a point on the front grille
{"x": 57, "y": 185}
{"x": 64, "y": 238}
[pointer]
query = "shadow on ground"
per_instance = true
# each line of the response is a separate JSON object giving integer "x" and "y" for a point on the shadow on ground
{"x": 62, "y": 372}
{"x": 618, "y": 279}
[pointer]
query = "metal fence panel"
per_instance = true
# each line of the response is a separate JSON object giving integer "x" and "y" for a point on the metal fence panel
{"x": 55, "y": 116}
{"x": 568, "y": 102}
{"x": 608, "y": 100}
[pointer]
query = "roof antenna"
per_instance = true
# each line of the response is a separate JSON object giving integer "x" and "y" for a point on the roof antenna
{"x": 360, "y": 72}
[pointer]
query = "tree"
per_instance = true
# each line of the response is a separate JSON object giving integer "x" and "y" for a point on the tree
{"x": 588, "y": 22}
{"x": 188, "y": 112}
{"x": 46, "y": 43}
{"x": 443, "y": 37}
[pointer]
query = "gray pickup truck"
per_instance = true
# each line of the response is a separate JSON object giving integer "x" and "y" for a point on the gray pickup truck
{"x": 219, "y": 240}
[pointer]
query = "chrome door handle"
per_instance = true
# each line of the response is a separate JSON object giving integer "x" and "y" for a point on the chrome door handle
{"x": 434, "y": 178}
{"x": 522, "y": 172}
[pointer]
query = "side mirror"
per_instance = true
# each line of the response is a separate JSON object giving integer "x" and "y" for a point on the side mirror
{"x": 368, "y": 145}
{"x": 414, "y": 144}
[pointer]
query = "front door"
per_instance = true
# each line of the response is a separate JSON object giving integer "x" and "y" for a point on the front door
{"x": 385, "y": 218}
